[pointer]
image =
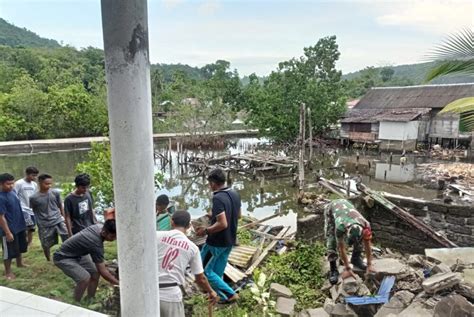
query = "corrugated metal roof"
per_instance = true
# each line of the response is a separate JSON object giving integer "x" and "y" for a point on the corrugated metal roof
{"x": 428, "y": 96}
{"x": 358, "y": 115}
{"x": 234, "y": 274}
{"x": 241, "y": 255}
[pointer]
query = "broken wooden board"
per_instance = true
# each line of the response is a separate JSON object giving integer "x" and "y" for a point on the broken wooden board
{"x": 241, "y": 255}
{"x": 407, "y": 217}
{"x": 234, "y": 274}
{"x": 265, "y": 252}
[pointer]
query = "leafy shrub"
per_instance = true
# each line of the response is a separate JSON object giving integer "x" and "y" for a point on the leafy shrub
{"x": 300, "y": 270}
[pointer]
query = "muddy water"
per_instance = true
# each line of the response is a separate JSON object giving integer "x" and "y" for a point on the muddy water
{"x": 192, "y": 193}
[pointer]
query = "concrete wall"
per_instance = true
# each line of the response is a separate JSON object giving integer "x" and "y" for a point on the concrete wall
{"x": 445, "y": 126}
{"x": 399, "y": 131}
{"x": 394, "y": 173}
{"x": 399, "y": 146}
{"x": 457, "y": 222}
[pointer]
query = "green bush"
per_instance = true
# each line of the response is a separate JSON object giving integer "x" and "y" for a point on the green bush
{"x": 300, "y": 270}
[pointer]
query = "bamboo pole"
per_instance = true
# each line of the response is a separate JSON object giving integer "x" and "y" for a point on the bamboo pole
{"x": 302, "y": 148}
{"x": 310, "y": 128}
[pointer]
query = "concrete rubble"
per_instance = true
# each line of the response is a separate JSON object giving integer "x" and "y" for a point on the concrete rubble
{"x": 285, "y": 306}
{"x": 424, "y": 286}
{"x": 279, "y": 290}
{"x": 440, "y": 284}
{"x": 441, "y": 281}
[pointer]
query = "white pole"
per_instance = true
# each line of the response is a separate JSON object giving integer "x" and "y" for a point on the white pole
{"x": 125, "y": 30}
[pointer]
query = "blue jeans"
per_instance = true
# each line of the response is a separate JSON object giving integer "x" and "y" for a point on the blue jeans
{"x": 214, "y": 261}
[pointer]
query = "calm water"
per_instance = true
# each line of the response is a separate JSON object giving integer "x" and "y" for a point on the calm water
{"x": 194, "y": 194}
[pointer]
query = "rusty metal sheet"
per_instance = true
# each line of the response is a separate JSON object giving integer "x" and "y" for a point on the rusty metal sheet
{"x": 241, "y": 255}
{"x": 233, "y": 273}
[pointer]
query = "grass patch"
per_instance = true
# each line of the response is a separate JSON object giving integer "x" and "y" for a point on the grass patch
{"x": 300, "y": 269}
{"x": 43, "y": 278}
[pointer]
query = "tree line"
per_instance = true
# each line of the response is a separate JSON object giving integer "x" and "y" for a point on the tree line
{"x": 61, "y": 92}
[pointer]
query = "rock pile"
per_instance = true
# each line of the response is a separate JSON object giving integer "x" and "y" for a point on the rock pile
{"x": 424, "y": 286}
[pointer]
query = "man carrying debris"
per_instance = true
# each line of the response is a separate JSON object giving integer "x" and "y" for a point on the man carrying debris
{"x": 81, "y": 257}
{"x": 343, "y": 224}
{"x": 175, "y": 253}
{"x": 221, "y": 234}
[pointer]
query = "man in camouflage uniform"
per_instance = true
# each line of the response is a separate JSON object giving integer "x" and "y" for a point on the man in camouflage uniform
{"x": 344, "y": 225}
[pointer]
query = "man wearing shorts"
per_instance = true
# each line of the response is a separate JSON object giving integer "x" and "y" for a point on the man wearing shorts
{"x": 175, "y": 253}
{"x": 12, "y": 225}
{"x": 78, "y": 206}
{"x": 81, "y": 258}
{"x": 47, "y": 206}
{"x": 25, "y": 188}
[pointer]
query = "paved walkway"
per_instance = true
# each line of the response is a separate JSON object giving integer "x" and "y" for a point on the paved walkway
{"x": 30, "y": 146}
{"x": 15, "y": 303}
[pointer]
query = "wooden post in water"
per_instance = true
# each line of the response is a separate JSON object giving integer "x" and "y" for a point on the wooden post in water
{"x": 302, "y": 148}
{"x": 170, "y": 149}
{"x": 310, "y": 127}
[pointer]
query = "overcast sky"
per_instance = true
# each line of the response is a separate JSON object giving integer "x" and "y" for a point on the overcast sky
{"x": 255, "y": 35}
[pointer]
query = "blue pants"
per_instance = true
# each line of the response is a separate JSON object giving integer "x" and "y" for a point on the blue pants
{"x": 214, "y": 261}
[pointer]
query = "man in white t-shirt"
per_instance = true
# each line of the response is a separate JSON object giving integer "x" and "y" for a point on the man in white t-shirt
{"x": 175, "y": 253}
{"x": 24, "y": 189}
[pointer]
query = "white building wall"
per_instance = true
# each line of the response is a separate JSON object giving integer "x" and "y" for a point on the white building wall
{"x": 398, "y": 131}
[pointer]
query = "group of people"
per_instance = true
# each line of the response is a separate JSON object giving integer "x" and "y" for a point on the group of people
{"x": 176, "y": 252}
{"x": 24, "y": 204}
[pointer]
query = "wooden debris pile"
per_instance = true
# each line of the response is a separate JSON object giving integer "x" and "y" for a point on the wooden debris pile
{"x": 244, "y": 259}
{"x": 257, "y": 166}
{"x": 457, "y": 177}
{"x": 447, "y": 154}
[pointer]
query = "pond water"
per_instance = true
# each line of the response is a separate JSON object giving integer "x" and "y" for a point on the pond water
{"x": 193, "y": 193}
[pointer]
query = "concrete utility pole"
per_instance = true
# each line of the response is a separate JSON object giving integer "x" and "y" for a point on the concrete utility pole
{"x": 125, "y": 29}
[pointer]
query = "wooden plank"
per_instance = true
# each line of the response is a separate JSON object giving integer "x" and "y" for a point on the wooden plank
{"x": 261, "y": 220}
{"x": 264, "y": 254}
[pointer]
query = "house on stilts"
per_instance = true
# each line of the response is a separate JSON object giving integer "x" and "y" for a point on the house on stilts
{"x": 398, "y": 118}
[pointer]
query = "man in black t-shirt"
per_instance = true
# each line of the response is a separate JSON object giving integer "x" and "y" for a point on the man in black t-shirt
{"x": 78, "y": 206}
{"x": 221, "y": 235}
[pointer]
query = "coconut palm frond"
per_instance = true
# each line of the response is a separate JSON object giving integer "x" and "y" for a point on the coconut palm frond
{"x": 455, "y": 55}
{"x": 465, "y": 107}
{"x": 468, "y": 122}
{"x": 460, "y": 105}
{"x": 451, "y": 68}
{"x": 459, "y": 46}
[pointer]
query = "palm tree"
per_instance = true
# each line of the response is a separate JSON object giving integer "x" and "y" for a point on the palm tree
{"x": 456, "y": 56}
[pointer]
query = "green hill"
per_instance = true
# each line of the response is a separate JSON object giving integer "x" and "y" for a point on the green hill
{"x": 11, "y": 35}
{"x": 167, "y": 71}
{"x": 415, "y": 73}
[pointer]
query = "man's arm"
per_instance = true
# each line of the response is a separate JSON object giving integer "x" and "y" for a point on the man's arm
{"x": 60, "y": 204}
{"x": 94, "y": 218}
{"x": 67, "y": 217}
{"x": 221, "y": 224}
{"x": 342, "y": 253}
{"x": 5, "y": 228}
{"x": 341, "y": 246}
{"x": 106, "y": 274}
{"x": 203, "y": 284}
{"x": 368, "y": 254}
